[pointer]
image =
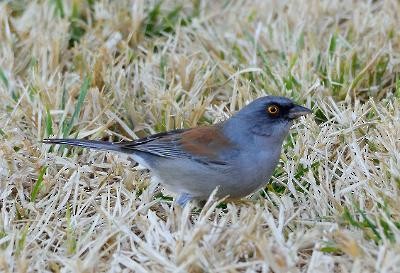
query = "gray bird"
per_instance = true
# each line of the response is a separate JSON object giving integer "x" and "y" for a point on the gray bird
{"x": 238, "y": 155}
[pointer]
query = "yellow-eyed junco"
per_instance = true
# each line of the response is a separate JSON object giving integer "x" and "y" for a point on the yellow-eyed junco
{"x": 238, "y": 155}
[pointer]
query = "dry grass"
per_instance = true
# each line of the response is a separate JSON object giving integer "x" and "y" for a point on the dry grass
{"x": 124, "y": 69}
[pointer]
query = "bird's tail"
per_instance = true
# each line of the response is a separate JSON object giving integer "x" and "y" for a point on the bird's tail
{"x": 93, "y": 144}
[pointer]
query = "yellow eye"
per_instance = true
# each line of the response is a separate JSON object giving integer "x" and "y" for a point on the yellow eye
{"x": 273, "y": 110}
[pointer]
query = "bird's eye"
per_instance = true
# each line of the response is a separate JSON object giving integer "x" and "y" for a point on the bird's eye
{"x": 273, "y": 110}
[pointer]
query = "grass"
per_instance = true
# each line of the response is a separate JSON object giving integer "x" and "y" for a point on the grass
{"x": 124, "y": 69}
{"x": 38, "y": 184}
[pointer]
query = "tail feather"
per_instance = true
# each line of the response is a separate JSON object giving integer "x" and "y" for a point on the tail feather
{"x": 93, "y": 144}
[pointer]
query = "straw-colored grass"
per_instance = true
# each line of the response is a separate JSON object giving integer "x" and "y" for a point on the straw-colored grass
{"x": 124, "y": 69}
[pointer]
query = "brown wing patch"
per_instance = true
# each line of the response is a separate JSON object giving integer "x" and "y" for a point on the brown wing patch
{"x": 204, "y": 141}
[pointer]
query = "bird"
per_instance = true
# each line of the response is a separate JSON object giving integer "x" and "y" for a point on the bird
{"x": 237, "y": 156}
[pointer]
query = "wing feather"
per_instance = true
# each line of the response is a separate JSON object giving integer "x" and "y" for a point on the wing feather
{"x": 204, "y": 144}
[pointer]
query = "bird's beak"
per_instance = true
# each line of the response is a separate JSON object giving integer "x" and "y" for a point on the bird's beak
{"x": 298, "y": 111}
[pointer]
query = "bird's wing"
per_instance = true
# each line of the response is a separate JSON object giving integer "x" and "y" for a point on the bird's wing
{"x": 204, "y": 144}
{"x": 163, "y": 144}
{"x": 123, "y": 147}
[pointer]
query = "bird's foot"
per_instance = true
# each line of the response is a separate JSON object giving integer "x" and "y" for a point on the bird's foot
{"x": 183, "y": 199}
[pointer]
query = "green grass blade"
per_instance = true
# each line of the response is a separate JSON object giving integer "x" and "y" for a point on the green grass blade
{"x": 38, "y": 184}
{"x": 152, "y": 19}
{"x": 3, "y": 78}
{"x": 59, "y": 8}
{"x": 49, "y": 123}
{"x": 21, "y": 241}
{"x": 332, "y": 45}
{"x": 63, "y": 98}
{"x": 82, "y": 95}
{"x": 397, "y": 91}
{"x": 71, "y": 240}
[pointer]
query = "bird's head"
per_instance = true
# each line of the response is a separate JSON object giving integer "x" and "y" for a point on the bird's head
{"x": 268, "y": 116}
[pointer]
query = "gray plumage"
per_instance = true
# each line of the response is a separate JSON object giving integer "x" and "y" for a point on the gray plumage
{"x": 238, "y": 156}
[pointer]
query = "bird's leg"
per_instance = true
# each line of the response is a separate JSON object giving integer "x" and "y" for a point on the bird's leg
{"x": 183, "y": 199}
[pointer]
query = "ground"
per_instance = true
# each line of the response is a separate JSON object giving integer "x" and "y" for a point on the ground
{"x": 116, "y": 70}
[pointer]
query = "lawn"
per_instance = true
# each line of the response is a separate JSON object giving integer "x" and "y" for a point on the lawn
{"x": 121, "y": 70}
